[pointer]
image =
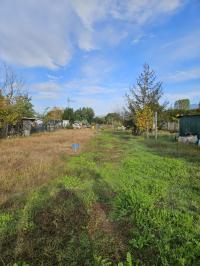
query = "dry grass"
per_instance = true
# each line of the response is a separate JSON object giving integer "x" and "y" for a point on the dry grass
{"x": 29, "y": 162}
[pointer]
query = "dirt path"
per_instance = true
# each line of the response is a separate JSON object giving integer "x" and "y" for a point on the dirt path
{"x": 30, "y": 162}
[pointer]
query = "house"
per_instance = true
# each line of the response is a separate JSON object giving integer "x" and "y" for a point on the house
{"x": 189, "y": 125}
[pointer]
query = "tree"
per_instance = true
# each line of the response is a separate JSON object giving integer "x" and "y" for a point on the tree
{"x": 99, "y": 120}
{"x": 146, "y": 92}
{"x": 113, "y": 119}
{"x": 54, "y": 114}
{"x": 85, "y": 113}
{"x": 68, "y": 114}
{"x": 24, "y": 106}
{"x": 11, "y": 85}
{"x": 144, "y": 119}
{"x": 182, "y": 104}
{"x": 15, "y": 103}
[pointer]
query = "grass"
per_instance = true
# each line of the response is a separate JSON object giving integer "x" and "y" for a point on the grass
{"x": 27, "y": 163}
{"x": 121, "y": 199}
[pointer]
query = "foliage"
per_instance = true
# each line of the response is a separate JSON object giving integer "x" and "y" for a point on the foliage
{"x": 113, "y": 118}
{"x": 24, "y": 106}
{"x": 183, "y": 104}
{"x": 54, "y": 114}
{"x": 68, "y": 114}
{"x": 147, "y": 92}
{"x": 144, "y": 119}
{"x": 11, "y": 113}
{"x": 85, "y": 113}
{"x": 14, "y": 102}
{"x": 99, "y": 120}
{"x": 172, "y": 114}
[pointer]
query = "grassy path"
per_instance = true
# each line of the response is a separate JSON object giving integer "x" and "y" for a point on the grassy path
{"x": 122, "y": 194}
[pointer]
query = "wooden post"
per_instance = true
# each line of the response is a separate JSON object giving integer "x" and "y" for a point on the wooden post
{"x": 156, "y": 126}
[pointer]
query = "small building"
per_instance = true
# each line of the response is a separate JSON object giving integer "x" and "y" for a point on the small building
{"x": 171, "y": 126}
{"x": 189, "y": 125}
{"x": 27, "y": 124}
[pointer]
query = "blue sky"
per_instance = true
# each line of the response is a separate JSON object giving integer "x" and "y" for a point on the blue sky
{"x": 93, "y": 50}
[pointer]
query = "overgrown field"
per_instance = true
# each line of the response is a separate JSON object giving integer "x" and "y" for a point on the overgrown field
{"x": 122, "y": 195}
{"x": 26, "y": 163}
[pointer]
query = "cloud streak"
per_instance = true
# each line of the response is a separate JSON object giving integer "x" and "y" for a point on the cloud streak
{"x": 184, "y": 75}
{"x": 46, "y": 33}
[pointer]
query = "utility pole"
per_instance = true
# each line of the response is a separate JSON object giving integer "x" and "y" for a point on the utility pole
{"x": 68, "y": 105}
{"x": 68, "y": 102}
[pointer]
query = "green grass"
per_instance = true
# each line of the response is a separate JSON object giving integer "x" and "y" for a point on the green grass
{"x": 124, "y": 199}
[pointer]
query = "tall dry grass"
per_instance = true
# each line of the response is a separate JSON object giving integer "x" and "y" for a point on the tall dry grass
{"x": 29, "y": 162}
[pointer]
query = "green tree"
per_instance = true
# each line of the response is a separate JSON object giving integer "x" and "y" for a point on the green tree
{"x": 54, "y": 114}
{"x": 24, "y": 106}
{"x": 68, "y": 114}
{"x": 15, "y": 103}
{"x": 113, "y": 119}
{"x": 182, "y": 104}
{"x": 99, "y": 120}
{"x": 85, "y": 113}
{"x": 146, "y": 92}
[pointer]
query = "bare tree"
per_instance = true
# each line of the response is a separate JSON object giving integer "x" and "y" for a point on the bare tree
{"x": 11, "y": 85}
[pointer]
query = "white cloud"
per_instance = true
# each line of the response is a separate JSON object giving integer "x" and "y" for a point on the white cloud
{"x": 193, "y": 94}
{"x": 49, "y": 90}
{"x": 53, "y": 77}
{"x": 143, "y": 10}
{"x": 45, "y": 33}
{"x": 141, "y": 37}
{"x": 184, "y": 75}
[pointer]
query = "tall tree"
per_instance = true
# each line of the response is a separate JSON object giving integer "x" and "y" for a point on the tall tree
{"x": 11, "y": 84}
{"x": 182, "y": 104}
{"x": 24, "y": 106}
{"x": 146, "y": 92}
{"x": 68, "y": 114}
{"x": 85, "y": 113}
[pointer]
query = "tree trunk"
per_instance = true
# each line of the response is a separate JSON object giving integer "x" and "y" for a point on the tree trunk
{"x": 6, "y": 130}
{"x": 147, "y": 130}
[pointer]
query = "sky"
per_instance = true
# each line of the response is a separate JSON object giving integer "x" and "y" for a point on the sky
{"x": 92, "y": 51}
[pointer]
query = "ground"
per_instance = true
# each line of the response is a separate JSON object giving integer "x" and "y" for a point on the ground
{"x": 122, "y": 196}
{"x": 30, "y": 162}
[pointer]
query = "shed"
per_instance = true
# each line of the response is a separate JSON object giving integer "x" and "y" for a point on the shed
{"x": 189, "y": 125}
{"x": 27, "y": 125}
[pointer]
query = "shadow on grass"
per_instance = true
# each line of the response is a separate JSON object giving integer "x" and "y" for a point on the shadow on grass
{"x": 106, "y": 234}
{"x": 57, "y": 235}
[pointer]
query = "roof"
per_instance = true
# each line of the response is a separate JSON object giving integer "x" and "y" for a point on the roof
{"x": 188, "y": 115}
{"x": 29, "y": 118}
